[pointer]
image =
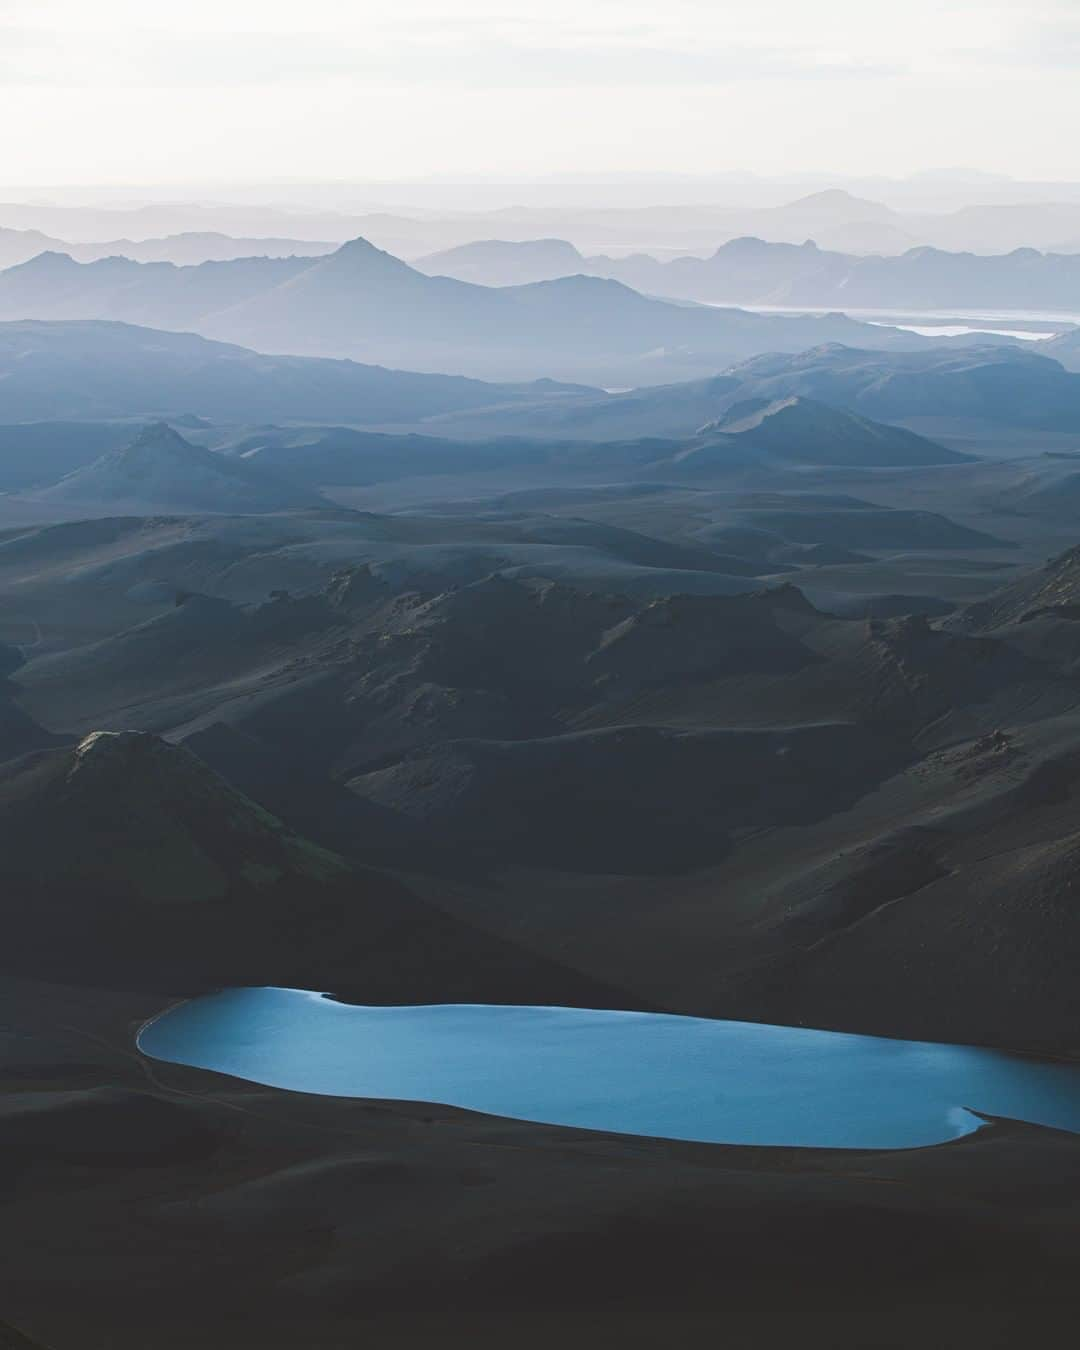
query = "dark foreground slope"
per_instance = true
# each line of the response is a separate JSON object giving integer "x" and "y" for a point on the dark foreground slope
{"x": 888, "y": 842}
{"x": 793, "y": 817}
{"x": 128, "y": 863}
{"x": 180, "y": 1208}
{"x": 19, "y": 733}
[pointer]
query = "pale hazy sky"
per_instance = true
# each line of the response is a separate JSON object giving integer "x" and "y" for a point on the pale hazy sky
{"x": 141, "y": 90}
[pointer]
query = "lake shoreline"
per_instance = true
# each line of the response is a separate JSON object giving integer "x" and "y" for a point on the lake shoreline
{"x": 649, "y": 1074}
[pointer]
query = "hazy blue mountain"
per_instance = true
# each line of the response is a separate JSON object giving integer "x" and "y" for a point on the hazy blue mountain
{"x": 186, "y": 249}
{"x": 1040, "y": 215}
{"x": 35, "y": 454}
{"x": 502, "y": 262}
{"x": 1065, "y": 347}
{"x": 198, "y": 246}
{"x": 1009, "y": 385}
{"x": 753, "y": 271}
{"x": 55, "y": 286}
{"x": 809, "y": 432}
{"x": 362, "y": 303}
{"x": 19, "y": 246}
{"x": 111, "y": 370}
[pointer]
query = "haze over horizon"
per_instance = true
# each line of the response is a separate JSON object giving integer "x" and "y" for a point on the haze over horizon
{"x": 249, "y": 91}
{"x": 539, "y": 674}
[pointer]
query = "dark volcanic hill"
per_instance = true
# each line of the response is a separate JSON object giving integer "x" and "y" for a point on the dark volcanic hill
{"x": 1038, "y": 614}
{"x": 83, "y": 580}
{"x": 198, "y": 886}
{"x": 793, "y": 816}
{"x": 462, "y": 717}
{"x": 18, "y": 732}
{"x": 623, "y": 799}
{"x": 161, "y": 472}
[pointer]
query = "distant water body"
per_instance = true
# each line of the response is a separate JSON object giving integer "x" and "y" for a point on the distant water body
{"x": 1026, "y": 325}
{"x": 633, "y": 1073}
{"x": 960, "y": 330}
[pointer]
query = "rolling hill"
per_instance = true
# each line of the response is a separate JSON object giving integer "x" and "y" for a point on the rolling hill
{"x": 95, "y": 370}
{"x": 159, "y": 471}
{"x": 1007, "y": 385}
{"x": 199, "y": 884}
{"x": 809, "y": 432}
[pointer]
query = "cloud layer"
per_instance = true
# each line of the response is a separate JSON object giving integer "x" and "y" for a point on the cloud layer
{"x": 362, "y": 89}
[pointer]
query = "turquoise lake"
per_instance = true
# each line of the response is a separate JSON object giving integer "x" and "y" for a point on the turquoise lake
{"x": 634, "y": 1073}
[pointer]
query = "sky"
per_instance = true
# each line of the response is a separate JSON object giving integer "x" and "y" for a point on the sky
{"x": 128, "y": 91}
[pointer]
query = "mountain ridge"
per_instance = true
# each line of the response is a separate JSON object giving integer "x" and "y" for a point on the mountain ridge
{"x": 363, "y": 303}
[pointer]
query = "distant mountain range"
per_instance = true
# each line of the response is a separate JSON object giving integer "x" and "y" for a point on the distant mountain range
{"x": 189, "y": 248}
{"x": 274, "y": 468}
{"x": 752, "y": 434}
{"x": 360, "y": 302}
{"x": 507, "y": 262}
{"x": 600, "y": 220}
{"x": 751, "y": 271}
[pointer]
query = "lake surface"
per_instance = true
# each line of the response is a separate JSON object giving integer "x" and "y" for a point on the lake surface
{"x": 1037, "y": 322}
{"x": 962, "y": 330}
{"x": 635, "y": 1073}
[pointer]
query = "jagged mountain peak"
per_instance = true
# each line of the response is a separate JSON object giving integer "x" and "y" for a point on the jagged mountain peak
{"x": 160, "y": 435}
{"x": 360, "y": 254}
